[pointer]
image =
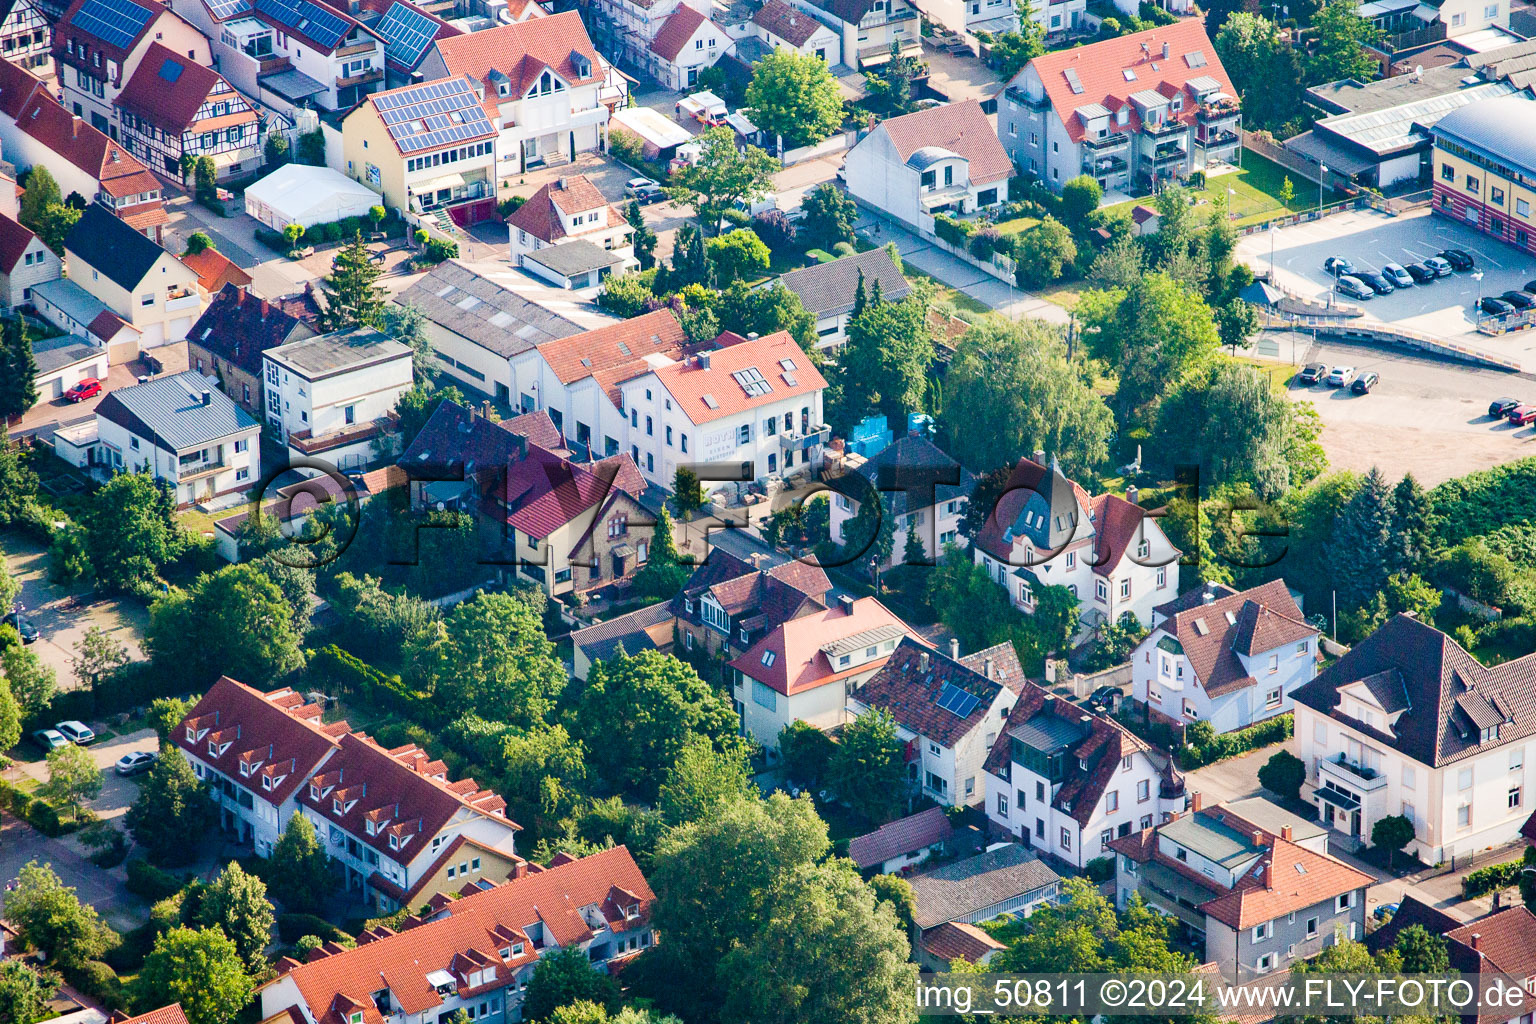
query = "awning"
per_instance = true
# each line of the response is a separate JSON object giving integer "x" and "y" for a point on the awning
{"x": 226, "y": 158}
{"x": 623, "y": 551}
{"x": 434, "y": 184}
{"x": 1338, "y": 798}
{"x": 944, "y": 198}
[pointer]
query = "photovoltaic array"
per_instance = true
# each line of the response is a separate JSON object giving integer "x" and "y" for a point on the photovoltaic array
{"x": 432, "y": 115}
{"x": 407, "y": 33}
{"x": 114, "y": 22}
{"x": 325, "y": 27}
{"x": 225, "y": 9}
{"x": 957, "y": 701}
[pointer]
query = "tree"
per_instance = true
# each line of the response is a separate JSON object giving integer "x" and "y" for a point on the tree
{"x": 644, "y": 239}
{"x": 664, "y": 573}
{"x": 32, "y": 683}
{"x": 1412, "y": 534}
{"x": 805, "y": 751}
{"x": 740, "y": 255}
{"x": 235, "y": 622}
{"x": 1043, "y": 251}
{"x": 42, "y": 191}
{"x": 1263, "y": 67}
{"x": 312, "y": 148}
{"x": 1230, "y": 421}
{"x": 188, "y": 164}
{"x": 1011, "y": 391}
{"x": 51, "y": 918}
{"x": 892, "y": 88}
{"x": 299, "y": 874}
{"x": 1287, "y": 192}
{"x": 638, "y": 714}
{"x": 912, "y": 551}
{"x": 98, "y": 654}
{"x": 73, "y": 777}
{"x": 205, "y": 176}
{"x": 197, "y": 242}
{"x": 885, "y": 366}
{"x": 236, "y": 903}
{"x": 377, "y": 216}
{"x": 416, "y": 406}
{"x": 276, "y": 149}
{"x": 292, "y": 233}
{"x": 867, "y": 770}
{"x": 1012, "y": 50}
{"x": 1339, "y": 44}
{"x": 18, "y": 369}
{"x": 795, "y": 97}
{"x": 1235, "y": 323}
{"x": 702, "y": 780}
{"x": 564, "y": 977}
{"x": 171, "y": 811}
{"x": 897, "y": 893}
{"x": 687, "y": 492}
{"x": 765, "y": 311}
{"x": 1357, "y": 551}
{"x": 491, "y": 656}
{"x": 18, "y": 495}
{"x": 351, "y": 297}
{"x": 1422, "y": 951}
{"x": 166, "y": 714}
{"x": 131, "y": 531}
{"x": 407, "y": 324}
{"x": 25, "y": 991}
{"x": 10, "y": 717}
{"x": 1392, "y": 833}
{"x": 721, "y": 177}
{"x": 55, "y": 224}
{"x": 828, "y": 216}
{"x": 871, "y": 534}
{"x": 1080, "y": 196}
{"x": 201, "y": 969}
{"x": 1283, "y": 775}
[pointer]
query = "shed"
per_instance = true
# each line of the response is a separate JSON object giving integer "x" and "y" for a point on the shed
{"x": 300, "y": 194}
{"x": 658, "y": 133}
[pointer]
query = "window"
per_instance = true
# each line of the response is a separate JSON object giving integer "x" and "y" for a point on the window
{"x": 1514, "y": 798}
{"x": 1272, "y": 699}
{"x": 1311, "y": 927}
{"x": 744, "y": 433}
{"x": 1274, "y": 662}
{"x": 1464, "y": 779}
{"x": 1516, "y": 759}
{"x": 1002, "y": 804}
{"x": 1101, "y": 590}
{"x": 147, "y": 299}
{"x": 1408, "y": 777}
{"x": 1265, "y": 962}
{"x": 1472, "y": 184}
{"x": 1066, "y": 839}
{"x": 764, "y": 695}
{"x": 1343, "y": 902}
{"x": 1491, "y": 11}
{"x": 1039, "y": 791}
{"x": 1522, "y": 207}
{"x": 1105, "y": 837}
{"x": 1495, "y": 195}
{"x": 1143, "y": 791}
{"x": 1112, "y": 801}
{"x": 1263, "y": 931}
{"x": 1125, "y": 589}
{"x": 1146, "y": 822}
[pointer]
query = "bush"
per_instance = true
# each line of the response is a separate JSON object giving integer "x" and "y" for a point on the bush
{"x": 842, "y": 249}
{"x": 114, "y": 852}
{"x": 740, "y": 218}
{"x": 150, "y": 882}
{"x": 1100, "y": 869}
{"x": 955, "y": 232}
{"x": 986, "y": 242}
{"x": 349, "y": 675}
{"x": 775, "y": 229}
{"x": 99, "y": 981}
{"x": 507, "y": 207}
{"x": 437, "y": 250}
{"x": 45, "y": 818}
{"x": 1203, "y": 745}
{"x": 1490, "y": 879}
{"x": 292, "y": 927}
{"x": 626, "y": 146}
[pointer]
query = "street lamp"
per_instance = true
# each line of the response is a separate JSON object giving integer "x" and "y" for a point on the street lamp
{"x": 1271, "y": 253}
{"x": 1477, "y": 275}
{"x": 1322, "y": 173}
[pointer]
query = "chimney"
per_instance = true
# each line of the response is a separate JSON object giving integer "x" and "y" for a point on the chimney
{"x": 954, "y": 648}
{"x": 1208, "y": 595}
{"x": 1477, "y": 940}
{"x": 485, "y": 409}
{"x": 986, "y": 668}
{"x": 1195, "y": 799}
{"x": 703, "y": 360}
{"x": 751, "y": 335}
{"x": 1132, "y": 494}
{"x": 1258, "y": 838}
{"x": 845, "y": 604}
{"x": 1286, "y": 833}
{"x": 207, "y": 398}
{"x": 560, "y": 183}
{"x": 265, "y": 308}
{"x": 922, "y": 662}
{"x": 1040, "y": 456}
{"x": 1167, "y": 50}
{"x": 1269, "y": 863}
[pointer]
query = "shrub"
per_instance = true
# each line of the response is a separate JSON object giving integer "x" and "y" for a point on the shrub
{"x": 101, "y": 982}
{"x": 292, "y": 927}
{"x": 438, "y": 249}
{"x": 775, "y": 229}
{"x": 1489, "y": 879}
{"x": 150, "y": 882}
{"x": 1100, "y": 869}
{"x": 507, "y": 207}
{"x": 626, "y": 146}
{"x": 843, "y": 249}
{"x": 986, "y": 242}
{"x": 45, "y": 818}
{"x": 955, "y": 232}
{"x": 740, "y": 218}
{"x": 1203, "y": 745}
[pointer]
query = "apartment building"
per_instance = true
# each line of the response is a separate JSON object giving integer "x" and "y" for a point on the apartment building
{"x": 333, "y": 397}
{"x": 568, "y": 234}
{"x": 173, "y": 106}
{"x": 1483, "y": 173}
{"x": 926, "y": 488}
{"x": 26, "y": 37}
{"x": 132, "y": 276}
{"x": 1046, "y": 531}
{"x": 228, "y": 340}
{"x": 1408, "y": 723}
{"x": 99, "y": 44}
{"x": 1130, "y": 112}
{"x": 869, "y": 28}
{"x": 626, "y": 29}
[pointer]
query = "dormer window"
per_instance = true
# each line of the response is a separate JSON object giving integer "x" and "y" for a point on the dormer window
{"x": 394, "y": 842}
{"x": 371, "y": 828}
{"x": 517, "y": 949}
{"x": 632, "y": 911}
{"x": 245, "y": 768}
{"x": 191, "y": 735}
{"x": 266, "y": 782}
{"x": 217, "y": 749}
{"x": 314, "y": 792}
{"x": 336, "y": 805}
{"x": 355, "y": 1017}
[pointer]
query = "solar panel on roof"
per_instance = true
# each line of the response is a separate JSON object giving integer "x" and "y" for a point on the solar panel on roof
{"x": 323, "y": 26}
{"x": 431, "y": 115}
{"x": 1072, "y": 80}
{"x": 114, "y": 22}
{"x": 407, "y": 33}
{"x": 223, "y": 9}
{"x": 956, "y": 701}
{"x": 1195, "y": 60}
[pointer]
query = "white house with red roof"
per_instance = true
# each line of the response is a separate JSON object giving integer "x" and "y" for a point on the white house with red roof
{"x": 869, "y": 28}
{"x": 172, "y": 105}
{"x": 1148, "y": 107}
{"x": 474, "y": 954}
{"x": 24, "y": 262}
{"x": 1046, "y": 531}
{"x": 544, "y": 84}
{"x": 942, "y": 160}
{"x": 1231, "y": 658}
{"x": 627, "y": 28}
{"x": 805, "y": 668}
{"x": 687, "y": 43}
{"x": 566, "y": 228}
{"x": 98, "y": 45}
{"x": 780, "y": 25}
{"x": 755, "y": 403}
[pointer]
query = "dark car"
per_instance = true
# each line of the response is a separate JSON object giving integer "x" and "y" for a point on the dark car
{"x": 1419, "y": 272}
{"x": 1495, "y": 307}
{"x": 1364, "y": 383}
{"x": 1312, "y": 373}
{"x": 1520, "y": 300}
{"x": 1459, "y": 259}
{"x": 1499, "y": 407}
{"x": 1105, "y": 698}
{"x": 1376, "y": 282}
{"x": 1338, "y": 266}
{"x": 24, "y": 626}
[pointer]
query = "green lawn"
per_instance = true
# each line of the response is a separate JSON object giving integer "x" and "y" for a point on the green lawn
{"x": 1256, "y": 192}
{"x": 1017, "y": 226}
{"x": 943, "y": 292}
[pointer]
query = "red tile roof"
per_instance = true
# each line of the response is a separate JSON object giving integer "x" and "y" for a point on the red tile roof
{"x": 781, "y": 20}
{"x": 904, "y": 835}
{"x": 238, "y": 326}
{"x": 1506, "y": 940}
{"x": 960, "y": 128}
{"x": 689, "y": 382}
{"x": 14, "y": 240}
{"x": 778, "y": 593}
{"x": 1249, "y": 623}
{"x": 214, "y": 270}
{"x": 165, "y": 1015}
{"x": 956, "y": 940}
{"x": 472, "y": 931}
{"x": 1287, "y": 878}
{"x": 615, "y": 353}
{"x": 523, "y": 51}
{"x": 545, "y": 491}
{"x": 676, "y": 31}
{"x": 798, "y": 662}
{"x": 170, "y": 101}
{"x": 537, "y": 427}
{"x": 910, "y": 684}
{"x": 540, "y": 215}
{"x": 1100, "y": 68}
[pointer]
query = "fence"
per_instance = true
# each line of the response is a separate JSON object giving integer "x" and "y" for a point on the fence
{"x": 836, "y": 144}
{"x": 1083, "y": 685}
{"x": 999, "y": 265}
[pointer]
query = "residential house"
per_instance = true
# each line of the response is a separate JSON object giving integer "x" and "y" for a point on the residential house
{"x": 687, "y": 44}
{"x": 551, "y": 91}
{"x": 228, "y": 340}
{"x": 625, "y": 29}
{"x": 214, "y": 271}
{"x": 475, "y": 954}
{"x": 1408, "y": 723}
{"x": 753, "y": 403}
{"x": 408, "y": 31}
{"x": 928, "y": 493}
{"x": 828, "y": 291}
{"x": 1145, "y": 108}
{"x": 1481, "y": 178}
{"x": 943, "y": 159}
{"x": 570, "y": 218}
{"x": 644, "y": 629}
{"x": 943, "y": 944}
{"x": 1066, "y": 781}
{"x": 869, "y": 28}
{"x": 1500, "y": 943}
{"x": 26, "y": 36}
{"x": 804, "y": 668}
{"x": 133, "y": 277}
{"x": 171, "y": 1014}
{"x": 64, "y": 361}
{"x": 173, "y": 107}
{"x": 333, "y": 397}
{"x": 972, "y": 16}
{"x": 1007, "y": 879}
{"x": 24, "y": 261}
{"x": 948, "y": 711}
{"x": 291, "y": 54}
{"x": 902, "y": 844}
{"x": 780, "y": 25}
{"x": 755, "y": 590}
{"x": 1231, "y": 660}
{"x": 76, "y": 311}
{"x": 99, "y": 45}
{"x": 182, "y": 431}
{"x": 423, "y": 147}
{"x": 1046, "y": 531}
{"x": 477, "y": 325}
{"x": 1260, "y": 899}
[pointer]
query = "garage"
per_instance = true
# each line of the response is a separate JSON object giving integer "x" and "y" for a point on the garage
{"x": 65, "y": 361}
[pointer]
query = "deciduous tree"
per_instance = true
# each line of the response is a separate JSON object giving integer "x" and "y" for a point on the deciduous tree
{"x": 702, "y": 780}
{"x": 10, "y": 717}
{"x": 201, "y": 969}
{"x": 98, "y": 654}
{"x": 867, "y": 769}
{"x": 828, "y": 217}
{"x": 563, "y": 977}
{"x": 738, "y": 256}
{"x": 490, "y": 655}
{"x": 234, "y": 622}
{"x": 1392, "y": 833}
{"x": 886, "y": 364}
{"x": 236, "y": 903}
{"x": 1283, "y": 775}
{"x": 794, "y": 96}
{"x": 1080, "y": 196}
{"x": 25, "y": 991}
{"x": 172, "y": 809}
{"x": 301, "y": 876}
{"x": 721, "y": 176}
{"x": 73, "y": 777}
{"x": 1339, "y": 44}
{"x": 1264, "y": 68}
{"x": 32, "y": 683}
{"x": 1043, "y": 252}
{"x": 131, "y": 531}
{"x": 51, "y": 918}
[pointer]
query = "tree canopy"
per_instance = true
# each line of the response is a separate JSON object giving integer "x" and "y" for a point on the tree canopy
{"x": 721, "y": 176}
{"x": 234, "y": 622}
{"x": 172, "y": 809}
{"x": 794, "y": 95}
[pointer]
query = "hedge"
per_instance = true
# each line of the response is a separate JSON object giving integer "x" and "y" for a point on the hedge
{"x": 1230, "y": 744}
{"x": 353, "y": 676}
{"x": 293, "y": 927}
{"x": 134, "y": 685}
{"x": 1491, "y": 878}
{"x": 150, "y": 882}
{"x": 99, "y": 981}
{"x": 955, "y": 232}
{"x": 36, "y": 811}
{"x": 343, "y": 230}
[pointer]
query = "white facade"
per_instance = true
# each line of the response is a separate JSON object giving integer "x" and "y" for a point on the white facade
{"x": 1137, "y": 583}
{"x": 337, "y": 401}
{"x": 90, "y": 95}
{"x": 952, "y": 774}
{"x": 884, "y": 23}
{"x": 972, "y": 15}
{"x": 913, "y": 190}
{"x": 704, "y": 46}
{"x": 937, "y": 525}
{"x": 37, "y": 264}
{"x": 600, "y": 225}
{"x": 626, "y": 28}
{"x": 195, "y": 473}
{"x": 52, "y": 384}
{"x": 1163, "y": 679}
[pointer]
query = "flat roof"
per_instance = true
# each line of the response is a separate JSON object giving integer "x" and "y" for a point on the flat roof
{"x": 574, "y": 257}
{"x": 1047, "y": 732}
{"x": 1272, "y": 818}
{"x": 1211, "y": 839}
{"x": 1393, "y": 128}
{"x": 53, "y": 354}
{"x": 330, "y": 354}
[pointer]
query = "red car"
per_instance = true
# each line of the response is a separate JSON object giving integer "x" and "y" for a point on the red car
{"x": 90, "y": 387}
{"x": 1520, "y": 415}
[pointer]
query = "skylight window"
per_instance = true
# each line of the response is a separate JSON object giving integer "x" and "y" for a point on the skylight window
{"x": 1130, "y": 75}
{"x": 752, "y": 382}
{"x": 769, "y": 657}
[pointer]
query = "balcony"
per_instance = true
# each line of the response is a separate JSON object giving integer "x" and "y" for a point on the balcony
{"x": 1221, "y": 137}
{"x": 198, "y": 470}
{"x": 366, "y": 78}
{"x": 1021, "y": 98}
{"x": 1168, "y": 154}
{"x": 1105, "y": 165}
{"x": 1117, "y": 140}
{"x": 1218, "y": 113}
{"x": 793, "y": 441}
{"x": 1163, "y": 128}
{"x": 175, "y": 301}
{"x": 355, "y": 48}
{"x": 1352, "y": 774}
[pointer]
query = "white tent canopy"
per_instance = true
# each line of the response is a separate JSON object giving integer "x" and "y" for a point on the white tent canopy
{"x": 300, "y": 194}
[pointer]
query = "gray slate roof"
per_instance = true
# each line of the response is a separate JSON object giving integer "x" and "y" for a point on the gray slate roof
{"x": 827, "y": 289}
{"x": 330, "y": 354}
{"x": 500, "y": 321}
{"x": 169, "y": 411}
{"x": 601, "y": 641}
{"x": 958, "y": 890}
{"x": 1485, "y": 126}
{"x": 574, "y": 257}
{"x": 111, "y": 247}
{"x": 908, "y": 466}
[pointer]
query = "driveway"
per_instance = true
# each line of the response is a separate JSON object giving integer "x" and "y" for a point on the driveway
{"x": 45, "y": 417}
{"x": 62, "y": 627}
{"x": 960, "y": 78}
{"x": 271, "y": 275}
{"x": 117, "y": 793}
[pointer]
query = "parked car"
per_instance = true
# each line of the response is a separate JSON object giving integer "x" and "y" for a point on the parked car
{"x": 1105, "y": 699}
{"x": 1499, "y": 407}
{"x": 1376, "y": 282}
{"x": 1459, "y": 259}
{"x": 76, "y": 731}
{"x": 135, "y": 762}
{"x": 1340, "y": 376}
{"x": 1385, "y": 911}
{"x": 1495, "y": 306}
{"x": 49, "y": 739}
{"x": 1338, "y": 266}
{"x": 645, "y": 190}
{"x": 1520, "y": 300}
{"x": 1521, "y": 414}
{"x": 90, "y": 387}
{"x": 1364, "y": 383}
{"x": 1312, "y": 373}
{"x": 24, "y": 626}
{"x": 1442, "y": 268}
{"x": 1355, "y": 288}
{"x": 1399, "y": 276}
{"x": 1420, "y": 273}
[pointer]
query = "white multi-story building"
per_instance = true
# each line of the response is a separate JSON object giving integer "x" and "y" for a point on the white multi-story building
{"x": 1225, "y": 657}
{"x": 1046, "y": 531}
{"x": 99, "y": 43}
{"x": 688, "y": 43}
{"x": 778, "y": 24}
{"x": 869, "y": 28}
{"x": 331, "y": 397}
{"x": 627, "y": 28}
{"x": 1068, "y": 782}
{"x": 1408, "y": 723}
{"x": 927, "y": 491}
{"x": 568, "y": 234}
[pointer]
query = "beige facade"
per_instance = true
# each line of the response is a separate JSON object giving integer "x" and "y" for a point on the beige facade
{"x": 423, "y": 179}
{"x": 162, "y": 306}
{"x": 568, "y": 560}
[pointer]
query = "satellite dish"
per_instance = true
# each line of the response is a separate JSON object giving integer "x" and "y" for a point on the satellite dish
{"x": 440, "y": 506}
